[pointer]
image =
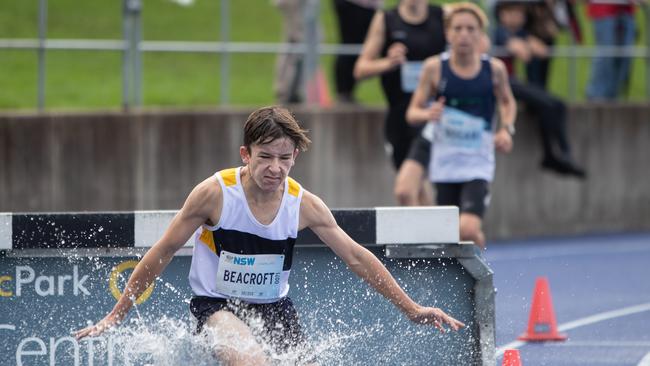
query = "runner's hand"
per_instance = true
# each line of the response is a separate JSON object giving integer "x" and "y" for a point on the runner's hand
{"x": 435, "y": 316}
{"x": 396, "y": 54}
{"x": 503, "y": 141}
{"x": 435, "y": 111}
{"x": 108, "y": 322}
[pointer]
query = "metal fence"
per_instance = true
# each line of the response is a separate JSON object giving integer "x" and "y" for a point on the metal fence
{"x": 132, "y": 46}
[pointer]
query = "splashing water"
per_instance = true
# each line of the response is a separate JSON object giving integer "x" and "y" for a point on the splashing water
{"x": 344, "y": 320}
{"x": 171, "y": 342}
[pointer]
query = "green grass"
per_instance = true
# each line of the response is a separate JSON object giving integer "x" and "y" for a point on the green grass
{"x": 92, "y": 79}
{"x": 18, "y": 79}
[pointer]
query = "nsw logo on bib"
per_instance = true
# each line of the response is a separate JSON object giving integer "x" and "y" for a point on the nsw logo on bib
{"x": 460, "y": 129}
{"x": 250, "y": 276}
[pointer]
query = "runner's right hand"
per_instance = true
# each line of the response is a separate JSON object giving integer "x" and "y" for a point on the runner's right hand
{"x": 396, "y": 54}
{"x": 100, "y": 327}
{"x": 435, "y": 111}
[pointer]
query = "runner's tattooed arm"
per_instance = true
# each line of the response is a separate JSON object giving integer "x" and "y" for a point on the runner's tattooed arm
{"x": 506, "y": 104}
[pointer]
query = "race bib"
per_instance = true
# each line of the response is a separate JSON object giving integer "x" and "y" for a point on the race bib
{"x": 410, "y": 72}
{"x": 250, "y": 276}
{"x": 460, "y": 129}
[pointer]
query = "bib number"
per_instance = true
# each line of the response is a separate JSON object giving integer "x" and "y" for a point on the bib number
{"x": 460, "y": 129}
{"x": 250, "y": 276}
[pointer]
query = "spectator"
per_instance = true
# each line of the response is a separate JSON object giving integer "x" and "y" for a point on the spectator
{"x": 397, "y": 42}
{"x": 354, "y": 18}
{"x": 545, "y": 19}
{"x": 467, "y": 87}
{"x": 288, "y": 85}
{"x": 614, "y": 25}
{"x": 549, "y": 110}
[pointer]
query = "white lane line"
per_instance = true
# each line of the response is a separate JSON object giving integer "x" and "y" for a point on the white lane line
{"x": 512, "y": 345}
{"x": 645, "y": 361}
{"x": 639, "y": 344}
{"x": 585, "y": 321}
{"x": 567, "y": 252}
{"x": 604, "y": 316}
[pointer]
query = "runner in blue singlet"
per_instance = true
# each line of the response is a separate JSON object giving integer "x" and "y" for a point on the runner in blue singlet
{"x": 456, "y": 96}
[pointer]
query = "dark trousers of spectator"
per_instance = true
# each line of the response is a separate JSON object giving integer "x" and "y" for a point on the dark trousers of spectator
{"x": 537, "y": 69}
{"x": 551, "y": 115}
{"x": 354, "y": 21}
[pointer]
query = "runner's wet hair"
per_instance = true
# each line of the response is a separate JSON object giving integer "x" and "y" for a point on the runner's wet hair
{"x": 270, "y": 123}
{"x": 465, "y": 7}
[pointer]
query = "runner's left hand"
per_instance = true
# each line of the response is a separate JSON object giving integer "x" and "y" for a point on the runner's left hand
{"x": 503, "y": 141}
{"x": 435, "y": 316}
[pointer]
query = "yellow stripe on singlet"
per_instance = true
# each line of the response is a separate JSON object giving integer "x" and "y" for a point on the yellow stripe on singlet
{"x": 207, "y": 239}
{"x": 229, "y": 176}
{"x": 294, "y": 187}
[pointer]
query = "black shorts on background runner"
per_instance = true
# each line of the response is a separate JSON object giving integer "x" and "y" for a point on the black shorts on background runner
{"x": 470, "y": 197}
{"x": 281, "y": 328}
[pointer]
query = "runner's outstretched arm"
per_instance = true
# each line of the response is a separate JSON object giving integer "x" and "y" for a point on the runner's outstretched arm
{"x": 317, "y": 216}
{"x": 194, "y": 213}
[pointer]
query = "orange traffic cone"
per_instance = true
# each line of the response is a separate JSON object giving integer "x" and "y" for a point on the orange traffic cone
{"x": 511, "y": 358}
{"x": 318, "y": 90}
{"x": 542, "y": 325}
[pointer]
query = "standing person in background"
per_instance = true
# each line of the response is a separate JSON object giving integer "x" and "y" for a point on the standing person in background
{"x": 540, "y": 24}
{"x": 354, "y": 18}
{"x": 614, "y": 25}
{"x": 456, "y": 98}
{"x": 288, "y": 85}
{"x": 545, "y": 19}
{"x": 396, "y": 44}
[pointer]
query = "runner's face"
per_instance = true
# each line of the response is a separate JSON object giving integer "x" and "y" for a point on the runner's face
{"x": 269, "y": 164}
{"x": 464, "y": 33}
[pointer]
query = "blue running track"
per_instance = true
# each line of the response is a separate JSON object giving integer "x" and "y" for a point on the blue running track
{"x": 601, "y": 294}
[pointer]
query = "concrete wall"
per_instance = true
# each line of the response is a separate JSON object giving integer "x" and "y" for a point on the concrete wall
{"x": 151, "y": 160}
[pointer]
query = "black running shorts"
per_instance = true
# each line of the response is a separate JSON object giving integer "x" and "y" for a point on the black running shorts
{"x": 280, "y": 329}
{"x": 470, "y": 197}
